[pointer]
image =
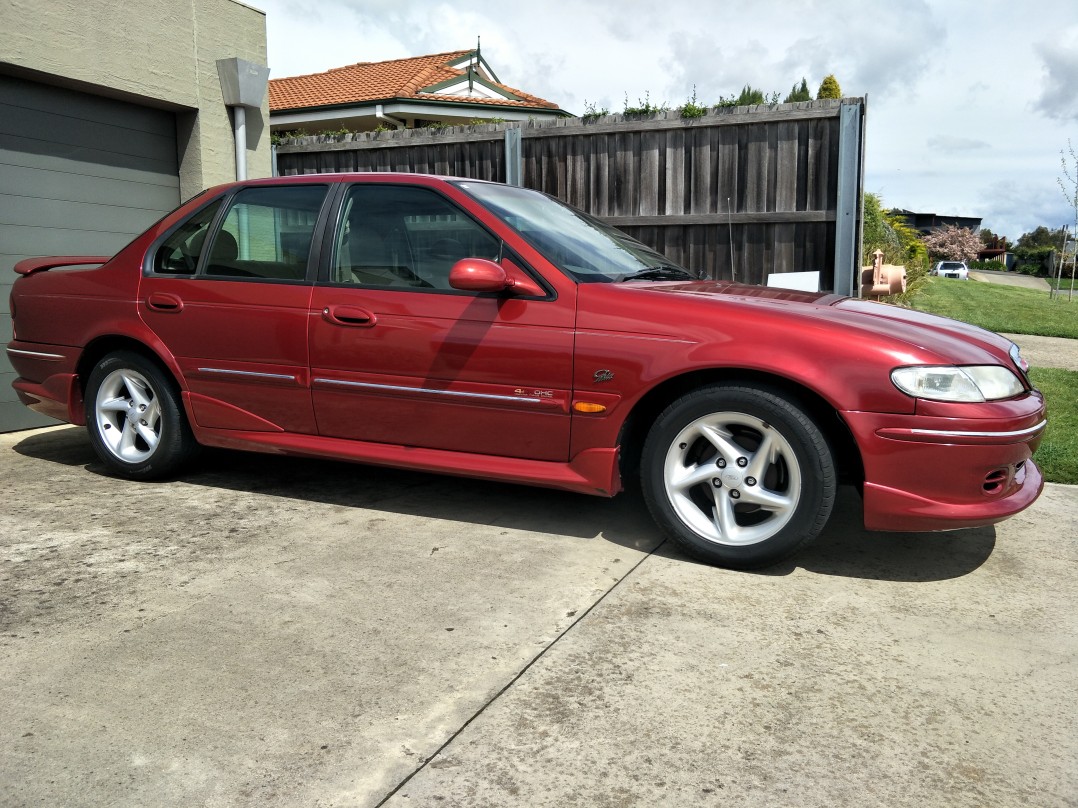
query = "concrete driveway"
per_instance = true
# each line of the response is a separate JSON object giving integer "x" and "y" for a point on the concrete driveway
{"x": 279, "y": 632}
{"x": 1010, "y": 279}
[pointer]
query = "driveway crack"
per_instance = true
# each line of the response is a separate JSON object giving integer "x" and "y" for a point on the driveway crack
{"x": 425, "y": 762}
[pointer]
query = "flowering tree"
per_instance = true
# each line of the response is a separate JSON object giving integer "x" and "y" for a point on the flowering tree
{"x": 953, "y": 243}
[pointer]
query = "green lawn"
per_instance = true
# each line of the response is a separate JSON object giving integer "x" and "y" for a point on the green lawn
{"x": 998, "y": 308}
{"x": 1058, "y": 452}
{"x": 1022, "y": 311}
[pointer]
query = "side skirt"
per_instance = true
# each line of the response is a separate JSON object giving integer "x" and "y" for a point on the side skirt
{"x": 593, "y": 471}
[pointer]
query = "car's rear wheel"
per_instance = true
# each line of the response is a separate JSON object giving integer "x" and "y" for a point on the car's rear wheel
{"x": 135, "y": 418}
{"x": 738, "y": 475}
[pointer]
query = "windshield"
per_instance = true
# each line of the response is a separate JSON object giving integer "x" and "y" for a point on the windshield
{"x": 582, "y": 246}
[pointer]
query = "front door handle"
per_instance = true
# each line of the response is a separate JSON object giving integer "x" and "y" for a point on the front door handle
{"x": 161, "y": 301}
{"x": 351, "y": 316}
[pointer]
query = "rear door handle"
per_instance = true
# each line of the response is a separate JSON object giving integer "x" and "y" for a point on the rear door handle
{"x": 161, "y": 301}
{"x": 351, "y": 316}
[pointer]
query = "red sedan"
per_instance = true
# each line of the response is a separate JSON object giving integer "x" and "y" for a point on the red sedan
{"x": 479, "y": 329}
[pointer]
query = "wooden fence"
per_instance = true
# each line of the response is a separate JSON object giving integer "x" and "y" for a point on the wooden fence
{"x": 736, "y": 194}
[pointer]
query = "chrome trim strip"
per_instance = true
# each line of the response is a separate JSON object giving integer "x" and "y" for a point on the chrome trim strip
{"x": 945, "y": 433}
{"x": 451, "y": 393}
{"x": 282, "y": 376}
{"x": 38, "y": 354}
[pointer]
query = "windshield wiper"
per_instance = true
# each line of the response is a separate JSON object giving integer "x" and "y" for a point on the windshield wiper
{"x": 663, "y": 272}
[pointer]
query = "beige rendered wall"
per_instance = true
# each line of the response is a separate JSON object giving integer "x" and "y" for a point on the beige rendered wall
{"x": 157, "y": 52}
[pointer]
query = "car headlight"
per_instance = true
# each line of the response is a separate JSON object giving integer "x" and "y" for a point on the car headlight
{"x": 946, "y": 383}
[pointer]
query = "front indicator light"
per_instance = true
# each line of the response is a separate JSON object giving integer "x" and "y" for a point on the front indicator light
{"x": 973, "y": 384}
{"x": 588, "y": 407}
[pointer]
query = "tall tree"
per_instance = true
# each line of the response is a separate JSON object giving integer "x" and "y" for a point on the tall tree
{"x": 799, "y": 93}
{"x": 1041, "y": 237}
{"x": 1070, "y": 187}
{"x": 991, "y": 240}
{"x": 829, "y": 88}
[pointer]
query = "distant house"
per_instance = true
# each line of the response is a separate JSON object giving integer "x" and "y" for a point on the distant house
{"x": 441, "y": 89}
{"x": 925, "y": 223}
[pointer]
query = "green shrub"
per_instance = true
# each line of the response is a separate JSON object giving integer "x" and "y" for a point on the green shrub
{"x": 829, "y": 88}
{"x": 1033, "y": 260}
{"x": 643, "y": 106}
{"x": 593, "y": 111}
{"x": 690, "y": 109}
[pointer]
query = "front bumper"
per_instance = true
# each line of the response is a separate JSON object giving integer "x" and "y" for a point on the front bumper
{"x": 931, "y": 471}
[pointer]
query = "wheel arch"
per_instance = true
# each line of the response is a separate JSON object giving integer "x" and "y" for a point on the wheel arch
{"x": 100, "y": 347}
{"x": 647, "y": 409}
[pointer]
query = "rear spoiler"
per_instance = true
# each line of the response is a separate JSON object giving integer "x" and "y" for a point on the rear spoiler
{"x": 29, "y": 266}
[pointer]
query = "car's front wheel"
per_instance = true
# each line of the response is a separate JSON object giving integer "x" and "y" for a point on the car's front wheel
{"x": 135, "y": 418}
{"x": 738, "y": 475}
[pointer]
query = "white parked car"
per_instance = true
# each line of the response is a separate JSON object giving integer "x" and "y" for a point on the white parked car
{"x": 951, "y": 269}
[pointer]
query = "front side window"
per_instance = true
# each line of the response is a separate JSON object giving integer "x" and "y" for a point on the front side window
{"x": 267, "y": 233}
{"x": 403, "y": 236}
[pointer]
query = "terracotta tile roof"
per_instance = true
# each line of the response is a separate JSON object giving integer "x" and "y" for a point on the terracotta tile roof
{"x": 383, "y": 81}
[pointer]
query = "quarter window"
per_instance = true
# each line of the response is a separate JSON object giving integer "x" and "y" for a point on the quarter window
{"x": 179, "y": 253}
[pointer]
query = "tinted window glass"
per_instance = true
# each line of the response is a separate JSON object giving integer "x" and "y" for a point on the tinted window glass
{"x": 179, "y": 253}
{"x": 267, "y": 233}
{"x": 404, "y": 236}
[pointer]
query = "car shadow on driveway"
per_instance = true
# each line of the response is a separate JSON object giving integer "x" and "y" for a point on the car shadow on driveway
{"x": 845, "y": 548}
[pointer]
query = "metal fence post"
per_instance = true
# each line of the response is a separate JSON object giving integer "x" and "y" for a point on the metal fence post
{"x": 514, "y": 157}
{"x": 849, "y": 181}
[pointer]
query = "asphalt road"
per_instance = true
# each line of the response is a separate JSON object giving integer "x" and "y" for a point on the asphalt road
{"x": 277, "y": 632}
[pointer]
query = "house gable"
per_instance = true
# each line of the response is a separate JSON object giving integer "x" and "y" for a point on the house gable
{"x": 453, "y": 87}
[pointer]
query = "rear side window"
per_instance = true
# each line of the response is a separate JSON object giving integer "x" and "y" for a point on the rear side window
{"x": 267, "y": 233}
{"x": 179, "y": 253}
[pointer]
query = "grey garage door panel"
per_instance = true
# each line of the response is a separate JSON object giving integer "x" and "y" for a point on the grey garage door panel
{"x": 86, "y": 154}
{"x": 80, "y": 174}
{"x": 145, "y": 174}
{"x": 14, "y": 416}
{"x": 30, "y": 212}
{"x": 32, "y": 95}
{"x": 5, "y": 328}
{"x": 56, "y": 183}
{"x": 7, "y": 392}
{"x": 47, "y": 241}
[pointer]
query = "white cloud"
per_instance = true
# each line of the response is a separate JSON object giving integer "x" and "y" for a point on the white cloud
{"x": 951, "y": 144}
{"x": 1059, "y": 96}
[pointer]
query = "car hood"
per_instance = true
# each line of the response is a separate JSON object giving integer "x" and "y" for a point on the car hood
{"x": 931, "y": 339}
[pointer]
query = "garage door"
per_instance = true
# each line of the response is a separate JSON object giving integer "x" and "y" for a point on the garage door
{"x": 79, "y": 174}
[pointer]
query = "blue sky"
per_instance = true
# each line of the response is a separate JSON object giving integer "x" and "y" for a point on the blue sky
{"x": 969, "y": 103}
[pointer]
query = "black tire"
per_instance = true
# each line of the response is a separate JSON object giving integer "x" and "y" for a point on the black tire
{"x": 135, "y": 418}
{"x": 738, "y": 475}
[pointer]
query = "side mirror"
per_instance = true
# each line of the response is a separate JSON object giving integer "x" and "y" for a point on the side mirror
{"x": 478, "y": 275}
{"x": 481, "y": 275}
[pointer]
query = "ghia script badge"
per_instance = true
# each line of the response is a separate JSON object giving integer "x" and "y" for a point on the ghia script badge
{"x": 603, "y": 376}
